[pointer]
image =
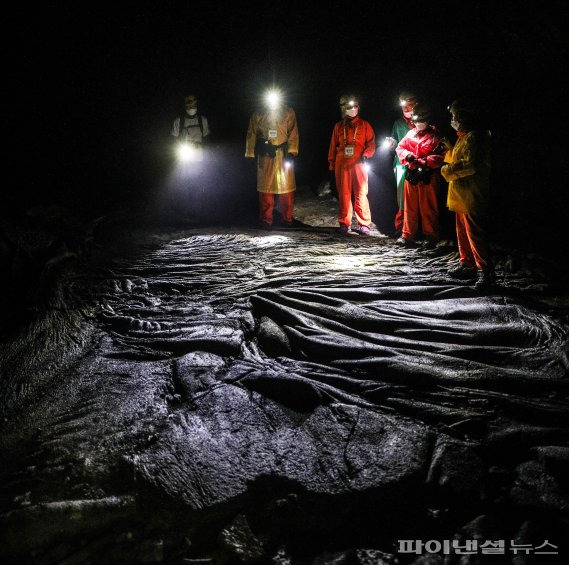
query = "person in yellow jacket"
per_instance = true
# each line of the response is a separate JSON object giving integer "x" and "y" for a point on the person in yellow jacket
{"x": 468, "y": 174}
{"x": 272, "y": 137}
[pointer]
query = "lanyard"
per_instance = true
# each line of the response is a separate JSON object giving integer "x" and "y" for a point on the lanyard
{"x": 346, "y": 137}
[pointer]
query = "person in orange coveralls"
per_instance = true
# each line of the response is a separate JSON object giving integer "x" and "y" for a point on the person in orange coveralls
{"x": 352, "y": 144}
{"x": 422, "y": 152}
{"x": 272, "y": 137}
{"x": 401, "y": 127}
{"x": 468, "y": 175}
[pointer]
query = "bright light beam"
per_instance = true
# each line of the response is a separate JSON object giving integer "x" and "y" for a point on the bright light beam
{"x": 187, "y": 152}
{"x": 273, "y": 99}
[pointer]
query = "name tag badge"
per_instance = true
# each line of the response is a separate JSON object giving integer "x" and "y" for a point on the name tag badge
{"x": 273, "y": 134}
{"x": 349, "y": 151}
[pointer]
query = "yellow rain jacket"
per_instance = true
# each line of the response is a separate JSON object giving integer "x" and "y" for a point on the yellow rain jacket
{"x": 468, "y": 172}
{"x": 277, "y": 127}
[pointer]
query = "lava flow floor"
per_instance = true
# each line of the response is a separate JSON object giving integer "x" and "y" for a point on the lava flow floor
{"x": 235, "y": 395}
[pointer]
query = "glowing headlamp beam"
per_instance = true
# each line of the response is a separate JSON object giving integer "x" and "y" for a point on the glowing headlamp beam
{"x": 273, "y": 99}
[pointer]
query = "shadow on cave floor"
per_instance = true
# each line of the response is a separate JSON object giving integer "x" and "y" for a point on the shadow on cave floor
{"x": 232, "y": 395}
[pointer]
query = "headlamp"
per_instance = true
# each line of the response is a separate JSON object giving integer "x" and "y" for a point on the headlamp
{"x": 273, "y": 99}
{"x": 349, "y": 104}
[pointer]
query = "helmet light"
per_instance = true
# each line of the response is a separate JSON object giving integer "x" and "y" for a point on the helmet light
{"x": 273, "y": 99}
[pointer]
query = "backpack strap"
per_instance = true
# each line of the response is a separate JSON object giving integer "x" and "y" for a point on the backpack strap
{"x": 181, "y": 125}
{"x": 183, "y": 121}
{"x": 200, "y": 124}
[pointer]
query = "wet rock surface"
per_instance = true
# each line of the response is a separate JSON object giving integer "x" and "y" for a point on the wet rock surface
{"x": 209, "y": 395}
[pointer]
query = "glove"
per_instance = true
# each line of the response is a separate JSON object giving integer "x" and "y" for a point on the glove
{"x": 289, "y": 158}
{"x": 447, "y": 145}
{"x": 389, "y": 143}
{"x": 410, "y": 158}
{"x": 363, "y": 159}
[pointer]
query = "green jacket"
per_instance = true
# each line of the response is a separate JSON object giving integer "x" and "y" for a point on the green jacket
{"x": 398, "y": 132}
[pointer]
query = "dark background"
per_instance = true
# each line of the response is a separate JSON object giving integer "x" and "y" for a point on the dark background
{"x": 98, "y": 86}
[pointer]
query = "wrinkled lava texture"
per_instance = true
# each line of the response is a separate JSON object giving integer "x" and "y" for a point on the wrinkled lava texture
{"x": 287, "y": 396}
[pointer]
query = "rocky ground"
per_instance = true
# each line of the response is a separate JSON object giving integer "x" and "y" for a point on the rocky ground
{"x": 191, "y": 394}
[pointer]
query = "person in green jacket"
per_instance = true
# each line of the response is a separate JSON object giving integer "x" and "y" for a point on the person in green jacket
{"x": 401, "y": 126}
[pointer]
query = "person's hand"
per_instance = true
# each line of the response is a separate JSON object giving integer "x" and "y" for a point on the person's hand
{"x": 363, "y": 159}
{"x": 410, "y": 158}
{"x": 289, "y": 158}
{"x": 389, "y": 143}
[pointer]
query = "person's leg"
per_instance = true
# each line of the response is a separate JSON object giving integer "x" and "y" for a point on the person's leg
{"x": 476, "y": 233}
{"x": 344, "y": 184}
{"x": 399, "y": 221}
{"x": 360, "y": 190}
{"x": 399, "y": 171}
{"x": 266, "y": 204}
{"x": 286, "y": 205}
{"x": 464, "y": 249}
{"x": 411, "y": 212}
{"x": 429, "y": 208}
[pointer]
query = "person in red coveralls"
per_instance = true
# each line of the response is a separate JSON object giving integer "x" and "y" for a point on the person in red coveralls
{"x": 421, "y": 151}
{"x": 352, "y": 144}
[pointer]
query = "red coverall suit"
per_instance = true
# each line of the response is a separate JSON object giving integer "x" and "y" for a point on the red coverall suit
{"x": 421, "y": 198}
{"x": 351, "y": 140}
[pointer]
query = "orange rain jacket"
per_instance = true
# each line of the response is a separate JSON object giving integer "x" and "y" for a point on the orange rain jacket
{"x": 272, "y": 176}
{"x": 468, "y": 172}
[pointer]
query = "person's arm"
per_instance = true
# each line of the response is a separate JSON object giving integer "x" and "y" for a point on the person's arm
{"x": 405, "y": 152}
{"x": 251, "y": 139}
{"x": 463, "y": 167}
{"x": 435, "y": 159}
{"x": 292, "y": 133}
{"x": 394, "y": 133}
{"x": 369, "y": 145}
{"x": 175, "y": 131}
{"x": 395, "y": 136}
{"x": 206, "y": 130}
{"x": 332, "y": 150}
